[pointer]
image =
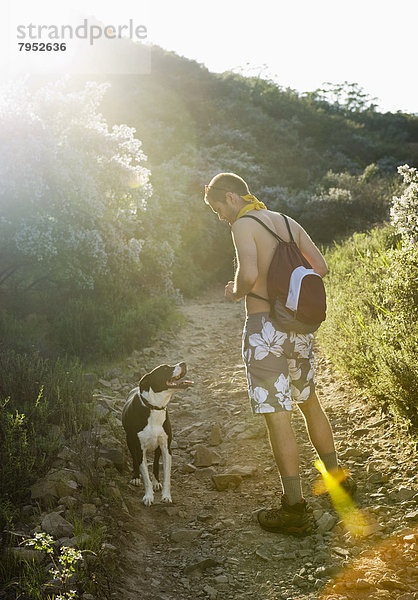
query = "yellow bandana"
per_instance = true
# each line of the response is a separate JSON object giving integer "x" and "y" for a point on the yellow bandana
{"x": 254, "y": 203}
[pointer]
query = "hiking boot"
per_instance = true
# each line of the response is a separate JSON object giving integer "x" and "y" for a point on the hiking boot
{"x": 295, "y": 519}
{"x": 342, "y": 478}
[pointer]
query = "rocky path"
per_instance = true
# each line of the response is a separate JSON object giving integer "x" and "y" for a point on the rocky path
{"x": 207, "y": 543}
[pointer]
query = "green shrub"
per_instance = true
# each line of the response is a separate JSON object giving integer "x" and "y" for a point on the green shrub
{"x": 371, "y": 329}
{"x": 41, "y": 403}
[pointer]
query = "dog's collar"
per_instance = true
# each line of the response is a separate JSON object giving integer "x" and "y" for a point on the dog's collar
{"x": 148, "y": 404}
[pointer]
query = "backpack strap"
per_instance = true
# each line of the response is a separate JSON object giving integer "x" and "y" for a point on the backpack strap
{"x": 278, "y": 238}
{"x": 258, "y": 297}
{"x": 288, "y": 227}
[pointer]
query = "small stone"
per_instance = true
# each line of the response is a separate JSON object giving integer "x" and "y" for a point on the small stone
{"x": 205, "y": 457}
{"x": 226, "y": 481}
{"x": 215, "y": 437}
{"x": 57, "y": 526}
{"x": 210, "y": 591}
{"x": 185, "y": 535}
{"x": 243, "y": 470}
{"x": 221, "y": 579}
{"x": 105, "y": 383}
{"x": 363, "y": 584}
{"x": 412, "y": 516}
{"x": 201, "y": 565}
{"x": 261, "y": 553}
{"x": 326, "y": 522}
{"x": 404, "y": 494}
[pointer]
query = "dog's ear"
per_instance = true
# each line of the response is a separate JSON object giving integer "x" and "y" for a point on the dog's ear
{"x": 145, "y": 383}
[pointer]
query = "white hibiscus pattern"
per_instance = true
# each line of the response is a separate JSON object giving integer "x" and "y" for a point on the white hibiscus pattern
{"x": 283, "y": 392}
{"x": 269, "y": 341}
{"x": 303, "y": 343}
{"x": 260, "y": 397}
{"x": 294, "y": 371}
{"x": 301, "y": 396}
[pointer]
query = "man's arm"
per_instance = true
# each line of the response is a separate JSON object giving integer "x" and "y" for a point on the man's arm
{"x": 311, "y": 252}
{"x": 246, "y": 253}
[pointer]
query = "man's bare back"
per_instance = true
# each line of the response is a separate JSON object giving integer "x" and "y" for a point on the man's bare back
{"x": 255, "y": 248}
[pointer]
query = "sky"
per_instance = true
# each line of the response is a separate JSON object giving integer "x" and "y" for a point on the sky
{"x": 299, "y": 44}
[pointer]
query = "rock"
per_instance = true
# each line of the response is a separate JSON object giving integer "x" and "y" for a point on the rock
{"x": 205, "y": 457}
{"x": 87, "y": 597}
{"x": 57, "y": 526}
{"x": 326, "y": 522}
{"x": 114, "y": 455}
{"x": 205, "y": 563}
{"x": 244, "y": 471}
{"x": 361, "y": 431}
{"x": 106, "y": 547}
{"x": 68, "y": 501}
{"x": 404, "y": 494}
{"x": 204, "y": 472}
{"x": 66, "y": 488}
{"x": 261, "y": 553}
{"x": 44, "y": 491}
{"x": 81, "y": 478}
{"x": 221, "y": 579}
{"x": 412, "y": 516}
{"x": 105, "y": 383}
{"x": 185, "y": 535}
{"x": 215, "y": 437}
{"x": 226, "y": 481}
{"x": 210, "y": 591}
{"x": 363, "y": 584}
{"x": 189, "y": 468}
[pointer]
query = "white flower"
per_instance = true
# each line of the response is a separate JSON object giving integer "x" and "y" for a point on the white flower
{"x": 260, "y": 397}
{"x": 303, "y": 343}
{"x": 269, "y": 341}
{"x": 294, "y": 372}
{"x": 283, "y": 392}
{"x": 301, "y": 396}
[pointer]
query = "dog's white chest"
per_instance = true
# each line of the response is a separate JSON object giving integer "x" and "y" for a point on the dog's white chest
{"x": 153, "y": 434}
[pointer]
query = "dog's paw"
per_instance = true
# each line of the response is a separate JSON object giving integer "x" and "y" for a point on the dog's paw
{"x": 136, "y": 481}
{"x": 167, "y": 499}
{"x": 156, "y": 485}
{"x": 148, "y": 499}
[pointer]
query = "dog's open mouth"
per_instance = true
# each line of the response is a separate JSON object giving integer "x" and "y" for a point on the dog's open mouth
{"x": 179, "y": 382}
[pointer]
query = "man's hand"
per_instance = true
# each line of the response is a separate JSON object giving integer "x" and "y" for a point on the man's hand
{"x": 229, "y": 291}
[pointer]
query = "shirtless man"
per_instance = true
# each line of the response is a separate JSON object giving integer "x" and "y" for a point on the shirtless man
{"x": 279, "y": 365}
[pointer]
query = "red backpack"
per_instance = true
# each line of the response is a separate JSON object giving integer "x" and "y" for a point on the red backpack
{"x": 296, "y": 293}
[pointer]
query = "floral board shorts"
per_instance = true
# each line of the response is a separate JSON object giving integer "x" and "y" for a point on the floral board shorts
{"x": 279, "y": 365}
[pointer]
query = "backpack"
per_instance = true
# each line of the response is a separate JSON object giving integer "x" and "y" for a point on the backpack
{"x": 296, "y": 293}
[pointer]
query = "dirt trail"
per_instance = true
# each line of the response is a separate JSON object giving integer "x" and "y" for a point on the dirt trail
{"x": 207, "y": 543}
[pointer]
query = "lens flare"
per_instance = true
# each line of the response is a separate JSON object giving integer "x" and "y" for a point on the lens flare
{"x": 354, "y": 520}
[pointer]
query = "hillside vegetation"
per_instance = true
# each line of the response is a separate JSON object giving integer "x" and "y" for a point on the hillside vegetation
{"x": 103, "y": 228}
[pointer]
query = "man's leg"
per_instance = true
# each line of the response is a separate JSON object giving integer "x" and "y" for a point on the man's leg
{"x": 286, "y": 453}
{"x": 320, "y": 431}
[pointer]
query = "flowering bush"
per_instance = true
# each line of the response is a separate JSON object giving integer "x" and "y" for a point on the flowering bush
{"x": 404, "y": 210}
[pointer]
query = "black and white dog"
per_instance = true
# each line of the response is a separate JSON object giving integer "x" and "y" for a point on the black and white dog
{"x": 148, "y": 428}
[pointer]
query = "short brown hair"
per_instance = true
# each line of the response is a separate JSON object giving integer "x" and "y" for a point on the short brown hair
{"x": 226, "y": 182}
